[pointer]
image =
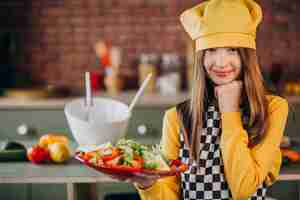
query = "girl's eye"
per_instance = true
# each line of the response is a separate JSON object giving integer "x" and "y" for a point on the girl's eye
{"x": 211, "y": 50}
{"x": 233, "y": 50}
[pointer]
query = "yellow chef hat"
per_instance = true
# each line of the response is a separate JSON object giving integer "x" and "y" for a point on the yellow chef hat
{"x": 222, "y": 23}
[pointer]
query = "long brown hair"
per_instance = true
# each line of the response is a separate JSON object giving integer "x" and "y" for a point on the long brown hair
{"x": 253, "y": 97}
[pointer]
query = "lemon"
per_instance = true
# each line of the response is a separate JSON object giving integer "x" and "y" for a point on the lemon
{"x": 59, "y": 152}
{"x": 51, "y": 138}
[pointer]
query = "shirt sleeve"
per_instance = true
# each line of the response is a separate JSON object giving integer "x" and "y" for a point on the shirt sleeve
{"x": 166, "y": 188}
{"x": 246, "y": 169}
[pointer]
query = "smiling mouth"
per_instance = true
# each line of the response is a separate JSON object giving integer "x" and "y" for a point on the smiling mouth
{"x": 222, "y": 73}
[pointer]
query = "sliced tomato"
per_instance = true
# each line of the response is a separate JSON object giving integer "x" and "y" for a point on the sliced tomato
{"x": 115, "y": 153}
{"x": 175, "y": 162}
{"x": 114, "y": 161}
{"x": 123, "y": 168}
{"x": 88, "y": 155}
{"x": 138, "y": 162}
{"x": 183, "y": 167}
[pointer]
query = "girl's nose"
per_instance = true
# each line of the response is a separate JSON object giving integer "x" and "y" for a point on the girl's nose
{"x": 221, "y": 60}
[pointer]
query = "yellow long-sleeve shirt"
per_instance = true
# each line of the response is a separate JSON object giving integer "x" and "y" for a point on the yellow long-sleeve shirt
{"x": 245, "y": 168}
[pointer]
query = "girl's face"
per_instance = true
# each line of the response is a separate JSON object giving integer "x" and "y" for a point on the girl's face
{"x": 223, "y": 65}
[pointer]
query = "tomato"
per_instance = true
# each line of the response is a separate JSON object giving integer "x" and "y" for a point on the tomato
{"x": 123, "y": 168}
{"x": 183, "y": 167}
{"x": 115, "y": 153}
{"x": 88, "y": 155}
{"x": 138, "y": 162}
{"x": 291, "y": 154}
{"x": 37, "y": 154}
{"x": 175, "y": 162}
{"x": 113, "y": 162}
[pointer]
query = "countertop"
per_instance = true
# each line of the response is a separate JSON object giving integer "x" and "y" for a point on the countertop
{"x": 75, "y": 172}
{"x": 147, "y": 100}
{"x": 70, "y": 172}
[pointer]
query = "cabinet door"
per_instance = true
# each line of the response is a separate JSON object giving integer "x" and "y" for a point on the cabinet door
{"x": 48, "y": 191}
{"x": 45, "y": 121}
{"x": 41, "y": 120}
{"x": 293, "y": 125}
{"x": 14, "y": 191}
{"x": 284, "y": 190}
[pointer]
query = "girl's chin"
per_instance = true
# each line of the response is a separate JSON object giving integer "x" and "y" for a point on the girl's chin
{"x": 222, "y": 81}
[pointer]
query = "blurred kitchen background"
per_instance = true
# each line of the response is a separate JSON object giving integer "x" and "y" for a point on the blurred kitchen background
{"x": 48, "y": 45}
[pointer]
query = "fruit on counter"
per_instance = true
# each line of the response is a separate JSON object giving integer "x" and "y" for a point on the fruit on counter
{"x": 12, "y": 145}
{"x": 51, "y": 138}
{"x": 37, "y": 154}
{"x": 292, "y": 155}
{"x": 52, "y": 147}
{"x": 59, "y": 152}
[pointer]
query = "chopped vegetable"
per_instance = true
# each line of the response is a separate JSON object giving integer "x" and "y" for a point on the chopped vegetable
{"x": 130, "y": 156}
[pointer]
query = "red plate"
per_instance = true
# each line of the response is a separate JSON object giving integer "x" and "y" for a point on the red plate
{"x": 128, "y": 171}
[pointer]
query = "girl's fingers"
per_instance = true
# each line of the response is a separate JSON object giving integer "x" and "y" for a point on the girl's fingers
{"x": 147, "y": 176}
{"x": 216, "y": 92}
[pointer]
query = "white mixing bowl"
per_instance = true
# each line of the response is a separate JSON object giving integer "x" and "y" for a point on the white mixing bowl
{"x": 107, "y": 121}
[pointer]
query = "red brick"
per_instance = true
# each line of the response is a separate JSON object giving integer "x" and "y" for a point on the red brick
{"x": 81, "y": 30}
{"x": 79, "y": 21}
{"x": 53, "y": 12}
{"x": 79, "y": 12}
{"x": 70, "y": 29}
{"x": 47, "y": 21}
{"x": 94, "y": 21}
{"x": 63, "y": 21}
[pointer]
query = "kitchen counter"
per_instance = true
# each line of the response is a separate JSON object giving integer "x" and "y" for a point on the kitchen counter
{"x": 74, "y": 172}
{"x": 76, "y": 176}
{"x": 81, "y": 181}
{"x": 147, "y": 100}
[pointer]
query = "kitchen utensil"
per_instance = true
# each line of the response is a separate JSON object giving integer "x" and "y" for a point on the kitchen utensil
{"x": 108, "y": 120}
{"x": 140, "y": 92}
{"x": 88, "y": 95}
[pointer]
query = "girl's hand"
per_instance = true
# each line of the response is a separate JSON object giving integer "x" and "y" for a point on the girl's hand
{"x": 229, "y": 96}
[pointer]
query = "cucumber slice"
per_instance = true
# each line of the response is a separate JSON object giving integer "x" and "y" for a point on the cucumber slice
{"x": 13, "y": 155}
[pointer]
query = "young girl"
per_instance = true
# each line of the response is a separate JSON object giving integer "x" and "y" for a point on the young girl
{"x": 230, "y": 130}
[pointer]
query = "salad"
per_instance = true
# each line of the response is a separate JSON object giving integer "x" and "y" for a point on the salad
{"x": 129, "y": 156}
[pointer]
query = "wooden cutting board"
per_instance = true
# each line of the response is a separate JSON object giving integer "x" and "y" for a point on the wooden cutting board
{"x": 32, "y": 93}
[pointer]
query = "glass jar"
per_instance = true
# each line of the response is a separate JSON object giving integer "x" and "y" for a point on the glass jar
{"x": 170, "y": 80}
{"x": 148, "y": 64}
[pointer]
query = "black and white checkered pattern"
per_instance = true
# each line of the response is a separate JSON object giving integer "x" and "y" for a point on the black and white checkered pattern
{"x": 206, "y": 179}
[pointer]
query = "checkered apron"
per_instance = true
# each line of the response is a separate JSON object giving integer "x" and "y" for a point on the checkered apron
{"x": 206, "y": 180}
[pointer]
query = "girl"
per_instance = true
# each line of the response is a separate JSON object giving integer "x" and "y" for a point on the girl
{"x": 230, "y": 130}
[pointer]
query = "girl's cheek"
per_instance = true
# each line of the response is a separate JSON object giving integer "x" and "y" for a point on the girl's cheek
{"x": 236, "y": 61}
{"x": 208, "y": 62}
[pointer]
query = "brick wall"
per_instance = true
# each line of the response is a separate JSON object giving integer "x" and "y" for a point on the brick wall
{"x": 57, "y": 36}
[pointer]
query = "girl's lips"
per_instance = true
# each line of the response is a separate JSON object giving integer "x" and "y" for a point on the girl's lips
{"x": 222, "y": 73}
